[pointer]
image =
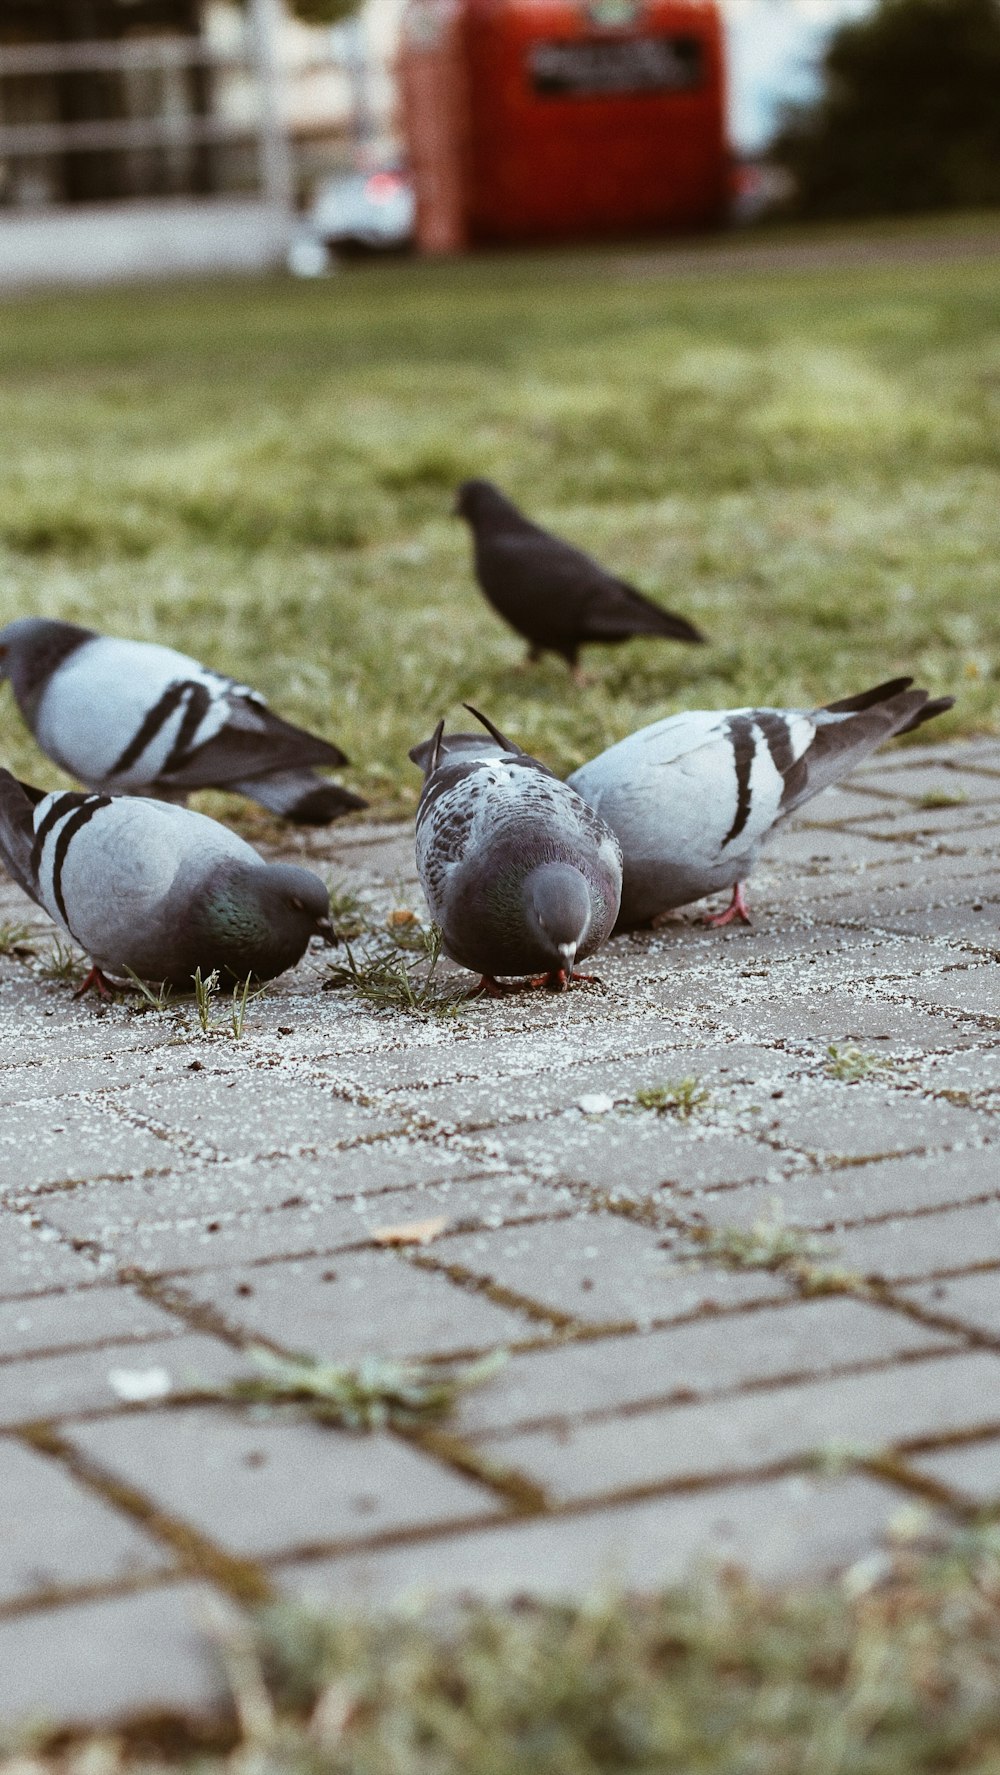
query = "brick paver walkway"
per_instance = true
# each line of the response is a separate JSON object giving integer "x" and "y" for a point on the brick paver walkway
{"x": 168, "y": 1199}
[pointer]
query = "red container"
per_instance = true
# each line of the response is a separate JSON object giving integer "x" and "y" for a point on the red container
{"x": 548, "y": 120}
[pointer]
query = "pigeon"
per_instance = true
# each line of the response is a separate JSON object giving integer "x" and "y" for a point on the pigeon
{"x": 518, "y": 872}
{"x": 133, "y": 717}
{"x": 152, "y": 889}
{"x": 553, "y": 594}
{"x": 692, "y": 798}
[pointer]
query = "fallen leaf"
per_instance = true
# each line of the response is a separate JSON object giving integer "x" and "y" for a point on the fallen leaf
{"x": 411, "y": 1232}
{"x": 401, "y": 916}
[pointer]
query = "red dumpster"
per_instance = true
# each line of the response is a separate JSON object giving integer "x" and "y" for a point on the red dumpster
{"x": 547, "y": 119}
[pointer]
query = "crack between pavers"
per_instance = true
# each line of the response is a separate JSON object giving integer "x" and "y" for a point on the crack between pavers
{"x": 59, "y": 1596}
{"x": 197, "y": 1556}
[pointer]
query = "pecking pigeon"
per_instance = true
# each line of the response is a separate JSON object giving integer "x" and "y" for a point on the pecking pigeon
{"x": 517, "y": 871}
{"x": 157, "y": 890}
{"x": 553, "y": 594}
{"x": 131, "y": 716}
{"x": 693, "y": 798}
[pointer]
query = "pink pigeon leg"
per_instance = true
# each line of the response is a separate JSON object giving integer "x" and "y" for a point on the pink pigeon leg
{"x": 95, "y": 980}
{"x": 737, "y": 909}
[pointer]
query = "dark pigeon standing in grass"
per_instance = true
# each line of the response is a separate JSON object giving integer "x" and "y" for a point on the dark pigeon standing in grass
{"x": 694, "y": 797}
{"x": 133, "y": 717}
{"x": 149, "y": 888}
{"x": 519, "y": 874}
{"x": 553, "y": 594}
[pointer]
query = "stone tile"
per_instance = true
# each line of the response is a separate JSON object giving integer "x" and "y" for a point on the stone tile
{"x": 687, "y": 1361}
{"x": 974, "y": 1300}
{"x": 972, "y": 989}
{"x": 792, "y": 1528}
{"x": 98, "y": 1662}
{"x": 602, "y": 1268}
{"x": 972, "y": 1471}
{"x": 304, "y": 1225}
{"x": 758, "y": 1429}
{"x": 857, "y": 1120}
{"x": 246, "y": 1114}
{"x": 365, "y": 1303}
{"x": 54, "y": 1386}
{"x": 74, "y": 1138}
{"x": 263, "y": 1486}
{"x": 927, "y": 1244}
{"x": 850, "y": 1016}
{"x": 827, "y": 1198}
{"x": 88, "y": 1316}
{"x": 83, "y": 1540}
{"x": 33, "y": 1259}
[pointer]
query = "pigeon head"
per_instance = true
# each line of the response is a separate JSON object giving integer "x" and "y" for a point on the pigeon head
{"x": 264, "y": 918}
{"x": 30, "y": 650}
{"x": 558, "y": 910}
{"x": 478, "y": 501}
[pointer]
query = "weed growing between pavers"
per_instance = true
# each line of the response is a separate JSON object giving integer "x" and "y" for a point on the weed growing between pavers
{"x": 63, "y": 965}
{"x": 16, "y": 940}
{"x": 682, "y": 1098}
{"x": 894, "y": 1671}
{"x": 366, "y": 1395}
{"x": 771, "y": 1244}
{"x": 851, "y": 1065}
{"x": 395, "y": 968}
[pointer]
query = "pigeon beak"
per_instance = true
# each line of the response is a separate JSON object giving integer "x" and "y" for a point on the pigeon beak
{"x": 568, "y": 953}
{"x": 324, "y": 929}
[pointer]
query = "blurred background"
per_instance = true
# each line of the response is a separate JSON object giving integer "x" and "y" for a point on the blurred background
{"x": 148, "y": 136}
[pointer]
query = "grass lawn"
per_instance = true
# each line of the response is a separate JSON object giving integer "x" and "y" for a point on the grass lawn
{"x": 808, "y": 464}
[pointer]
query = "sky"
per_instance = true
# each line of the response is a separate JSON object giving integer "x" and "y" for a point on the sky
{"x": 774, "y": 48}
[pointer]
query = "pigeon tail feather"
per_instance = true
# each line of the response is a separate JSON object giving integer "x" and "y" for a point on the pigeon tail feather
{"x": 637, "y": 615}
{"x": 17, "y": 832}
{"x": 300, "y": 795}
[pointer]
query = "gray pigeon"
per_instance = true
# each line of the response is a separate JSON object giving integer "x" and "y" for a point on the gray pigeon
{"x": 553, "y": 594}
{"x": 518, "y": 873}
{"x": 155, "y": 889}
{"x": 692, "y": 798}
{"x": 134, "y": 717}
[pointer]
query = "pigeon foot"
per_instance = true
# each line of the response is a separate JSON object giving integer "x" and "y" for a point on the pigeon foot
{"x": 737, "y": 909}
{"x": 558, "y": 980}
{"x": 487, "y": 987}
{"x": 95, "y": 980}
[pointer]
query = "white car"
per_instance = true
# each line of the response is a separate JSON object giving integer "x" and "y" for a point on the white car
{"x": 376, "y": 210}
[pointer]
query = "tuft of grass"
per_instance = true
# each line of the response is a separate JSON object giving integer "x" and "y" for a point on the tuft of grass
{"x": 935, "y": 798}
{"x": 350, "y": 911}
{"x": 63, "y": 964}
{"x": 205, "y": 993}
{"x": 367, "y": 1395}
{"x": 853, "y": 1064}
{"x": 682, "y": 1098}
{"x": 396, "y": 969}
{"x": 771, "y": 1244}
{"x": 16, "y": 940}
{"x": 893, "y": 1671}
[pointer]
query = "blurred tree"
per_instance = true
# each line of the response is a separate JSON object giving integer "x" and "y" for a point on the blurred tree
{"x": 323, "y": 12}
{"x": 909, "y": 118}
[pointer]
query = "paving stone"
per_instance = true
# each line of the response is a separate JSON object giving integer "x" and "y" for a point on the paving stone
{"x": 700, "y": 1357}
{"x": 829, "y": 1197}
{"x": 97, "y": 1662}
{"x": 846, "y": 1016}
{"x": 245, "y": 1114}
{"x": 73, "y": 1138}
{"x": 602, "y": 1268}
{"x": 791, "y": 1528}
{"x": 34, "y": 1260}
{"x": 856, "y": 1120}
{"x": 304, "y": 1224}
{"x": 267, "y": 1486}
{"x": 971, "y": 1471}
{"x": 88, "y": 1316}
{"x": 84, "y": 1541}
{"x": 925, "y": 1244}
{"x": 974, "y": 1300}
{"x": 972, "y": 989}
{"x": 54, "y": 1386}
{"x": 735, "y": 1435}
{"x": 355, "y": 1305}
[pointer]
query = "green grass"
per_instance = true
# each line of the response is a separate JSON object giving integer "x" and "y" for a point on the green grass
{"x": 368, "y": 1395}
{"x": 682, "y": 1098}
{"x": 895, "y": 1672}
{"x": 807, "y": 464}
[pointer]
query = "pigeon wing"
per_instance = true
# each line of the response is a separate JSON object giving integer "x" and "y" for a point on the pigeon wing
{"x": 17, "y": 805}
